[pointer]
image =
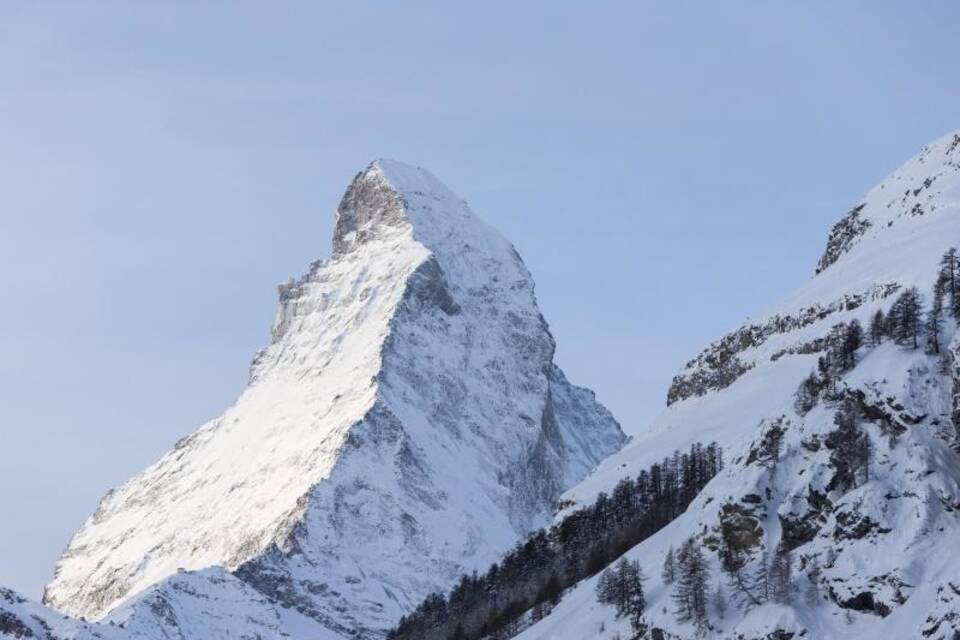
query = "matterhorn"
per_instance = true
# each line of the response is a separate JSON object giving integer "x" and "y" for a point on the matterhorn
{"x": 406, "y": 424}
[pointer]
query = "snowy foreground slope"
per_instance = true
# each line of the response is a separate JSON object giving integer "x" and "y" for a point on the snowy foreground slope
{"x": 871, "y": 558}
{"x": 406, "y": 424}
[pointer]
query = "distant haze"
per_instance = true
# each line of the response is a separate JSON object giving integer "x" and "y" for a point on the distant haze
{"x": 665, "y": 170}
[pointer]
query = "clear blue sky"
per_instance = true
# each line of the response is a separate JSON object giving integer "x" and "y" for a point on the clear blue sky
{"x": 666, "y": 169}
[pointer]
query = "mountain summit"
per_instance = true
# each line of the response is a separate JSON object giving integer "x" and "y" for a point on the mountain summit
{"x": 406, "y": 424}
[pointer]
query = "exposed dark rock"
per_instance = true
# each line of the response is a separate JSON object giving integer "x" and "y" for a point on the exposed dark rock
{"x": 854, "y": 526}
{"x": 874, "y": 411}
{"x": 428, "y": 287}
{"x": 799, "y": 531}
{"x": 721, "y": 370}
{"x": 843, "y": 236}
{"x": 12, "y": 626}
{"x": 766, "y": 450}
{"x": 741, "y": 532}
{"x": 365, "y": 205}
{"x": 811, "y": 444}
{"x": 718, "y": 366}
{"x": 865, "y": 602}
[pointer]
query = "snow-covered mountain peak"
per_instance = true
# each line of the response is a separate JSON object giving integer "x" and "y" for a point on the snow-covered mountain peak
{"x": 406, "y": 423}
{"x": 911, "y": 197}
{"x": 391, "y": 197}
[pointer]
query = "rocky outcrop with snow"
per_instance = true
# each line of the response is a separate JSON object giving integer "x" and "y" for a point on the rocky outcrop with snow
{"x": 405, "y": 425}
{"x": 870, "y": 538}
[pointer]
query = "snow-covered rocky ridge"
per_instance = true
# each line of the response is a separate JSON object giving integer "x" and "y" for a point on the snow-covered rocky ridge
{"x": 406, "y": 424}
{"x": 885, "y": 547}
{"x": 211, "y": 604}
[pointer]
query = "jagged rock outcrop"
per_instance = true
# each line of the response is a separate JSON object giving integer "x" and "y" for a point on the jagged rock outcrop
{"x": 406, "y": 424}
{"x": 843, "y": 236}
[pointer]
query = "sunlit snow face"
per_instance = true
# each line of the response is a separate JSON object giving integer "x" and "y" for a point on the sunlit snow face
{"x": 405, "y": 424}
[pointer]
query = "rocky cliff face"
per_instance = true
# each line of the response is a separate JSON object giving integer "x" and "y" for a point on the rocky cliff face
{"x": 859, "y": 488}
{"x": 406, "y": 424}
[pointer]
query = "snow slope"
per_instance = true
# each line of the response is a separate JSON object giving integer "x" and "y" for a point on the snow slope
{"x": 886, "y": 548}
{"x": 406, "y": 424}
{"x": 210, "y": 604}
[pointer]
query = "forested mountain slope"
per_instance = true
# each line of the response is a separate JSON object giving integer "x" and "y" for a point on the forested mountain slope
{"x": 838, "y": 510}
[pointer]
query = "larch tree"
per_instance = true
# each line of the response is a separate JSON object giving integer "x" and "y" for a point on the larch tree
{"x": 949, "y": 279}
{"x": 690, "y": 590}
{"x": 933, "y": 323}
{"x": 904, "y": 320}
{"x": 669, "y": 567}
{"x": 878, "y": 328}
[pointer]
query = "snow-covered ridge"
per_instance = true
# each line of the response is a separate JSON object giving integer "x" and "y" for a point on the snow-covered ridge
{"x": 405, "y": 424}
{"x": 900, "y": 251}
{"x": 207, "y": 604}
{"x": 910, "y": 191}
{"x": 870, "y": 253}
{"x": 872, "y": 557}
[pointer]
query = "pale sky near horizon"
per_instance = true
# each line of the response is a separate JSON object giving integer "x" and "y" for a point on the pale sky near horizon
{"x": 666, "y": 169}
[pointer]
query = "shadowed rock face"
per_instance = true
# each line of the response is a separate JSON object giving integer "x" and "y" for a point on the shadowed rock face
{"x": 406, "y": 424}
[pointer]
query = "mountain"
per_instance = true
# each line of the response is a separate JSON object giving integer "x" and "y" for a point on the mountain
{"x": 405, "y": 425}
{"x": 838, "y": 509}
{"x": 209, "y": 604}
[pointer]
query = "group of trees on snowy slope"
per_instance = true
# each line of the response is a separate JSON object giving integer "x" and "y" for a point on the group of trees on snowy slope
{"x": 622, "y": 587}
{"x": 687, "y": 573}
{"x": 768, "y": 580}
{"x": 532, "y": 577}
{"x": 907, "y": 323}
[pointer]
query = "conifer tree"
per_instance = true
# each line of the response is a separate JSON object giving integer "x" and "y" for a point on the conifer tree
{"x": 767, "y": 451}
{"x": 851, "y": 450}
{"x": 622, "y": 587}
{"x": 836, "y": 351}
{"x": 690, "y": 590}
{"x": 807, "y": 394}
{"x": 933, "y": 323}
{"x": 669, "y": 568}
{"x": 606, "y": 587}
{"x": 932, "y": 326}
{"x": 878, "y": 328}
{"x": 634, "y": 600}
{"x": 904, "y": 320}
{"x": 949, "y": 280}
{"x": 852, "y": 341}
{"x": 827, "y": 376}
